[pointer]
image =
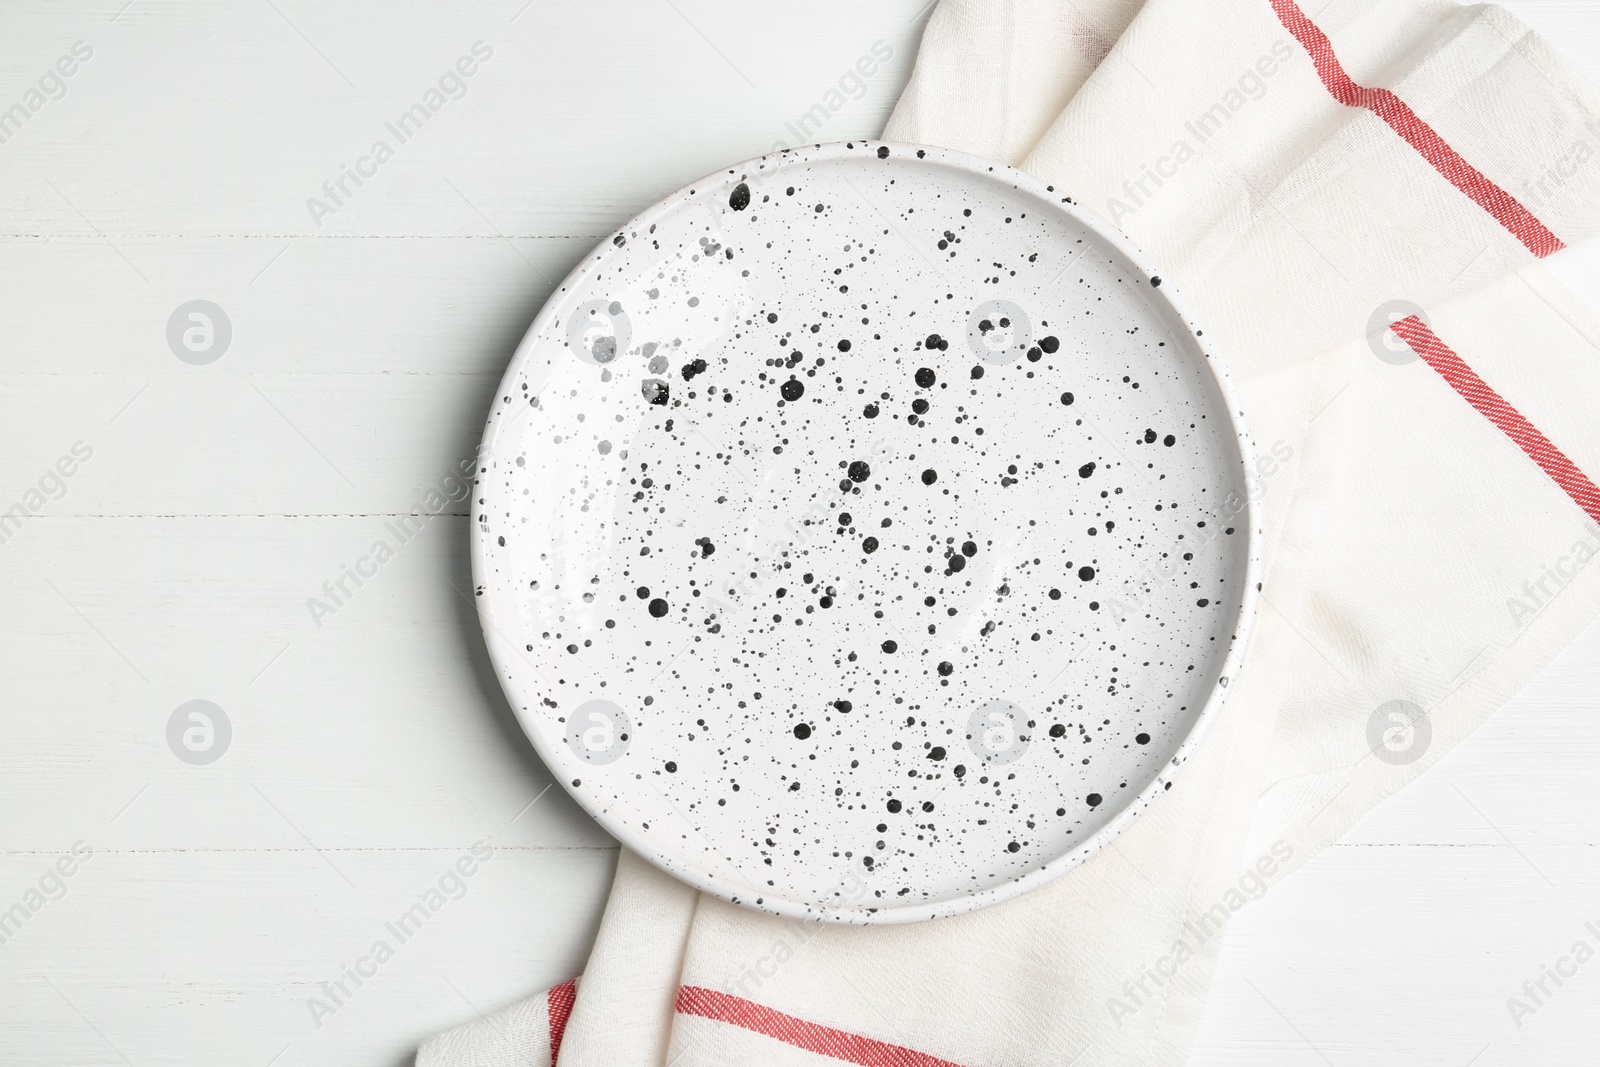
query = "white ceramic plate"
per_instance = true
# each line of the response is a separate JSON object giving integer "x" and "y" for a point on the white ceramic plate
{"x": 864, "y": 533}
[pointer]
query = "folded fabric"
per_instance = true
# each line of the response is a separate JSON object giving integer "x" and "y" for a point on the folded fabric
{"x": 1354, "y": 201}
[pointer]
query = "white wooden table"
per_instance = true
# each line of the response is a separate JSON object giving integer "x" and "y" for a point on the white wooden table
{"x": 370, "y": 746}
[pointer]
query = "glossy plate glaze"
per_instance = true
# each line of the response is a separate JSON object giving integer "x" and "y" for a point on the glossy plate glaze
{"x": 863, "y": 533}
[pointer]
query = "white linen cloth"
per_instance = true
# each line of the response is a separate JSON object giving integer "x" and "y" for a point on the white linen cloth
{"x": 1302, "y": 177}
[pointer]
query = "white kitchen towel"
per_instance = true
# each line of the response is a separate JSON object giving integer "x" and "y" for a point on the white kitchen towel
{"x": 1306, "y": 178}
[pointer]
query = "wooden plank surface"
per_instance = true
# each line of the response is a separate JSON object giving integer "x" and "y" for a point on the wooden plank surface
{"x": 371, "y": 749}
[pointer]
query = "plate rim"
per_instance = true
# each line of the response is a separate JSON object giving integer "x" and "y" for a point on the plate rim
{"x": 551, "y": 754}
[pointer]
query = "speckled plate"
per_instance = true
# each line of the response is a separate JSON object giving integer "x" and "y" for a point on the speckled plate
{"x": 864, "y": 533}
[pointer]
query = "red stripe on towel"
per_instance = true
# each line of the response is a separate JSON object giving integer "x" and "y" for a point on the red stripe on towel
{"x": 560, "y": 1000}
{"x": 1494, "y": 407}
{"x": 1417, "y": 133}
{"x": 823, "y": 1040}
